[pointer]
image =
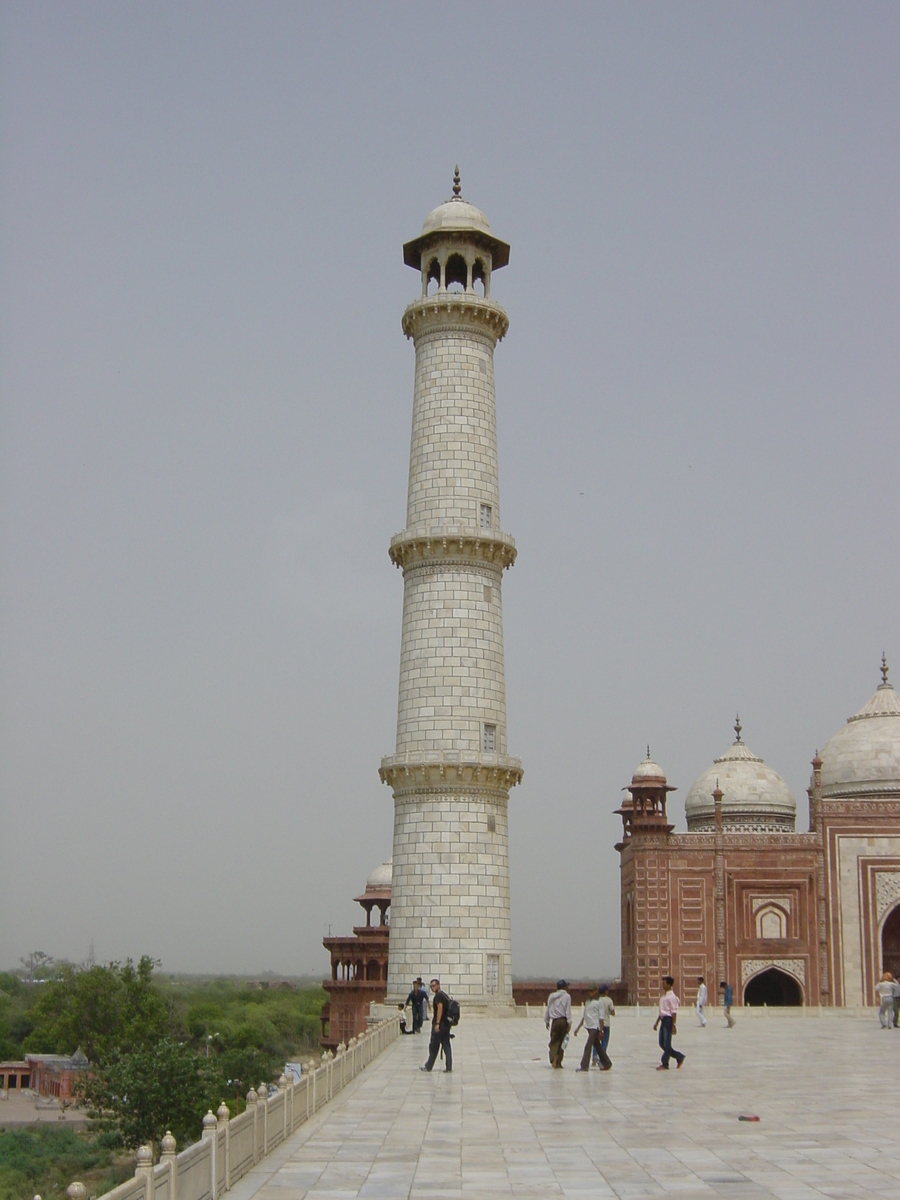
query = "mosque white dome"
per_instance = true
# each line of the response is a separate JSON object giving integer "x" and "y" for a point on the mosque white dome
{"x": 755, "y": 799}
{"x": 863, "y": 758}
{"x": 380, "y": 877}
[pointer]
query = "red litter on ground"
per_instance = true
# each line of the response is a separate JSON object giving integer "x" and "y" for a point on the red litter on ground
{"x": 748, "y": 1118}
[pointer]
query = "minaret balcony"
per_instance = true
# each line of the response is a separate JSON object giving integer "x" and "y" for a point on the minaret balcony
{"x": 449, "y": 310}
{"x": 450, "y": 769}
{"x": 449, "y": 543}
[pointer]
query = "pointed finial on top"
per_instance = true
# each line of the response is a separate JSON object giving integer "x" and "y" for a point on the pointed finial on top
{"x": 737, "y": 727}
{"x": 884, "y": 670}
{"x": 648, "y": 752}
{"x": 456, "y": 184}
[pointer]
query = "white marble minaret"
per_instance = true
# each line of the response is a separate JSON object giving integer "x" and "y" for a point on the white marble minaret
{"x": 450, "y": 772}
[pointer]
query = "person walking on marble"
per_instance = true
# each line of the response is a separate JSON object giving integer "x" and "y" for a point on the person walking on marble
{"x": 727, "y": 1001}
{"x": 607, "y": 1010}
{"x": 423, "y": 1003}
{"x": 558, "y": 1019}
{"x": 885, "y": 993}
{"x": 702, "y": 997}
{"x": 592, "y": 1020}
{"x": 665, "y": 1023}
{"x": 440, "y": 1029}
{"x": 418, "y": 999}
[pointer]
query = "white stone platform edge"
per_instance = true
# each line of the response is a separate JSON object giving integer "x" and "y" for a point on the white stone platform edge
{"x": 380, "y": 1012}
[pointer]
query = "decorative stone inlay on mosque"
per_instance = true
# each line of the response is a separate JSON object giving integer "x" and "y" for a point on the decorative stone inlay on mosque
{"x": 759, "y": 902}
{"x": 791, "y": 966}
{"x": 887, "y": 891}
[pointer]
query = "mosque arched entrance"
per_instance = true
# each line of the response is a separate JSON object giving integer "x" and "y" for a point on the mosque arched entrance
{"x": 774, "y": 988}
{"x": 890, "y": 943}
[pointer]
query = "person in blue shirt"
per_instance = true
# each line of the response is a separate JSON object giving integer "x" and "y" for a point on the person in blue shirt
{"x": 727, "y": 1001}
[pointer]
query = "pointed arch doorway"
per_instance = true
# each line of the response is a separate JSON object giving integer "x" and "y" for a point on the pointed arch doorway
{"x": 890, "y": 943}
{"x": 774, "y": 988}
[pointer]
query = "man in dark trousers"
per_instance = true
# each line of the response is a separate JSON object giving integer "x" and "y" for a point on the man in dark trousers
{"x": 423, "y": 1003}
{"x": 440, "y": 1028}
{"x": 558, "y": 1019}
{"x": 666, "y": 1024}
{"x": 416, "y": 998}
{"x": 592, "y": 1020}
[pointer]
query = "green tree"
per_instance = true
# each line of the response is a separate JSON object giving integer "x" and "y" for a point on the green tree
{"x": 156, "y": 1087}
{"x": 103, "y": 1010}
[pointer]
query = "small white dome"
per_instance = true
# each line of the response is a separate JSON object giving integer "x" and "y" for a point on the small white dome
{"x": 380, "y": 877}
{"x": 755, "y": 799}
{"x": 863, "y": 758}
{"x": 648, "y": 770}
{"x": 456, "y": 214}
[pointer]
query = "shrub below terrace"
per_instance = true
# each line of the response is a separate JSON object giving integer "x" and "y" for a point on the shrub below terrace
{"x": 162, "y": 1050}
{"x": 252, "y": 1030}
{"x": 44, "y": 1159}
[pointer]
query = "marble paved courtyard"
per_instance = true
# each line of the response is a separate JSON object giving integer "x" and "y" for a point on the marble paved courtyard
{"x": 505, "y": 1124}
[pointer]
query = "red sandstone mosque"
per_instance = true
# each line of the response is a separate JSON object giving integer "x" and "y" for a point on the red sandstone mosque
{"x": 785, "y": 917}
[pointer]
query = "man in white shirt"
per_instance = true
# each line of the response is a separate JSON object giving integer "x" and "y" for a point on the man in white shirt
{"x": 702, "y": 997}
{"x": 665, "y": 1022}
{"x": 592, "y": 1020}
{"x": 607, "y": 1010}
{"x": 558, "y": 1019}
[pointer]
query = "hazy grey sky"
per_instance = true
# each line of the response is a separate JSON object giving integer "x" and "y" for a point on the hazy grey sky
{"x": 206, "y": 402}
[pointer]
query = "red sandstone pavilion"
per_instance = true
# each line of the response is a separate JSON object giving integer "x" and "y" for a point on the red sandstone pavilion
{"x": 359, "y": 965}
{"x": 785, "y": 917}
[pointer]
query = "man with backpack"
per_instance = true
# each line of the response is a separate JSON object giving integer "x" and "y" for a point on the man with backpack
{"x": 440, "y": 1028}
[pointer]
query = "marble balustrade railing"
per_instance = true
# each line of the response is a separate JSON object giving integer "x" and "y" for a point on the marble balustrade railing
{"x": 231, "y": 1146}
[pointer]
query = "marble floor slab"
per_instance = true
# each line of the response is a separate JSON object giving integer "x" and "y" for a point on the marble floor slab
{"x": 505, "y": 1124}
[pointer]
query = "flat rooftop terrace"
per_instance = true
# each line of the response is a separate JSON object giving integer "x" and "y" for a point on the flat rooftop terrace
{"x": 506, "y": 1124}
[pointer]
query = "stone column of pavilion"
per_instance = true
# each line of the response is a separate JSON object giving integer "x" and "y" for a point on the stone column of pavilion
{"x": 450, "y": 772}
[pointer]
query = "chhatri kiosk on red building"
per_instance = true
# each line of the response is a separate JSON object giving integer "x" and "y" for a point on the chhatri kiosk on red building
{"x": 787, "y": 918}
{"x": 359, "y": 964}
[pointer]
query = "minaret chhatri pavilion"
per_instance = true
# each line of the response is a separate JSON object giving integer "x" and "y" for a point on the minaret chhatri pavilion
{"x": 450, "y": 772}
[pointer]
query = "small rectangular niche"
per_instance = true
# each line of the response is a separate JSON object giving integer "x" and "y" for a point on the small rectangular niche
{"x": 485, "y": 516}
{"x": 492, "y": 823}
{"x": 488, "y": 738}
{"x": 488, "y": 593}
{"x": 492, "y": 975}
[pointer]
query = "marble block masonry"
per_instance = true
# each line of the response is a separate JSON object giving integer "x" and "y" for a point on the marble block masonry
{"x": 450, "y": 772}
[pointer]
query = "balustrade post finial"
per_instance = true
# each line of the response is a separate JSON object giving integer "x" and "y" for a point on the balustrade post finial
{"x": 76, "y": 1191}
{"x": 143, "y": 1166}
{"x": 209, "y": 1125}
{"x": 167, "y": 1147}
